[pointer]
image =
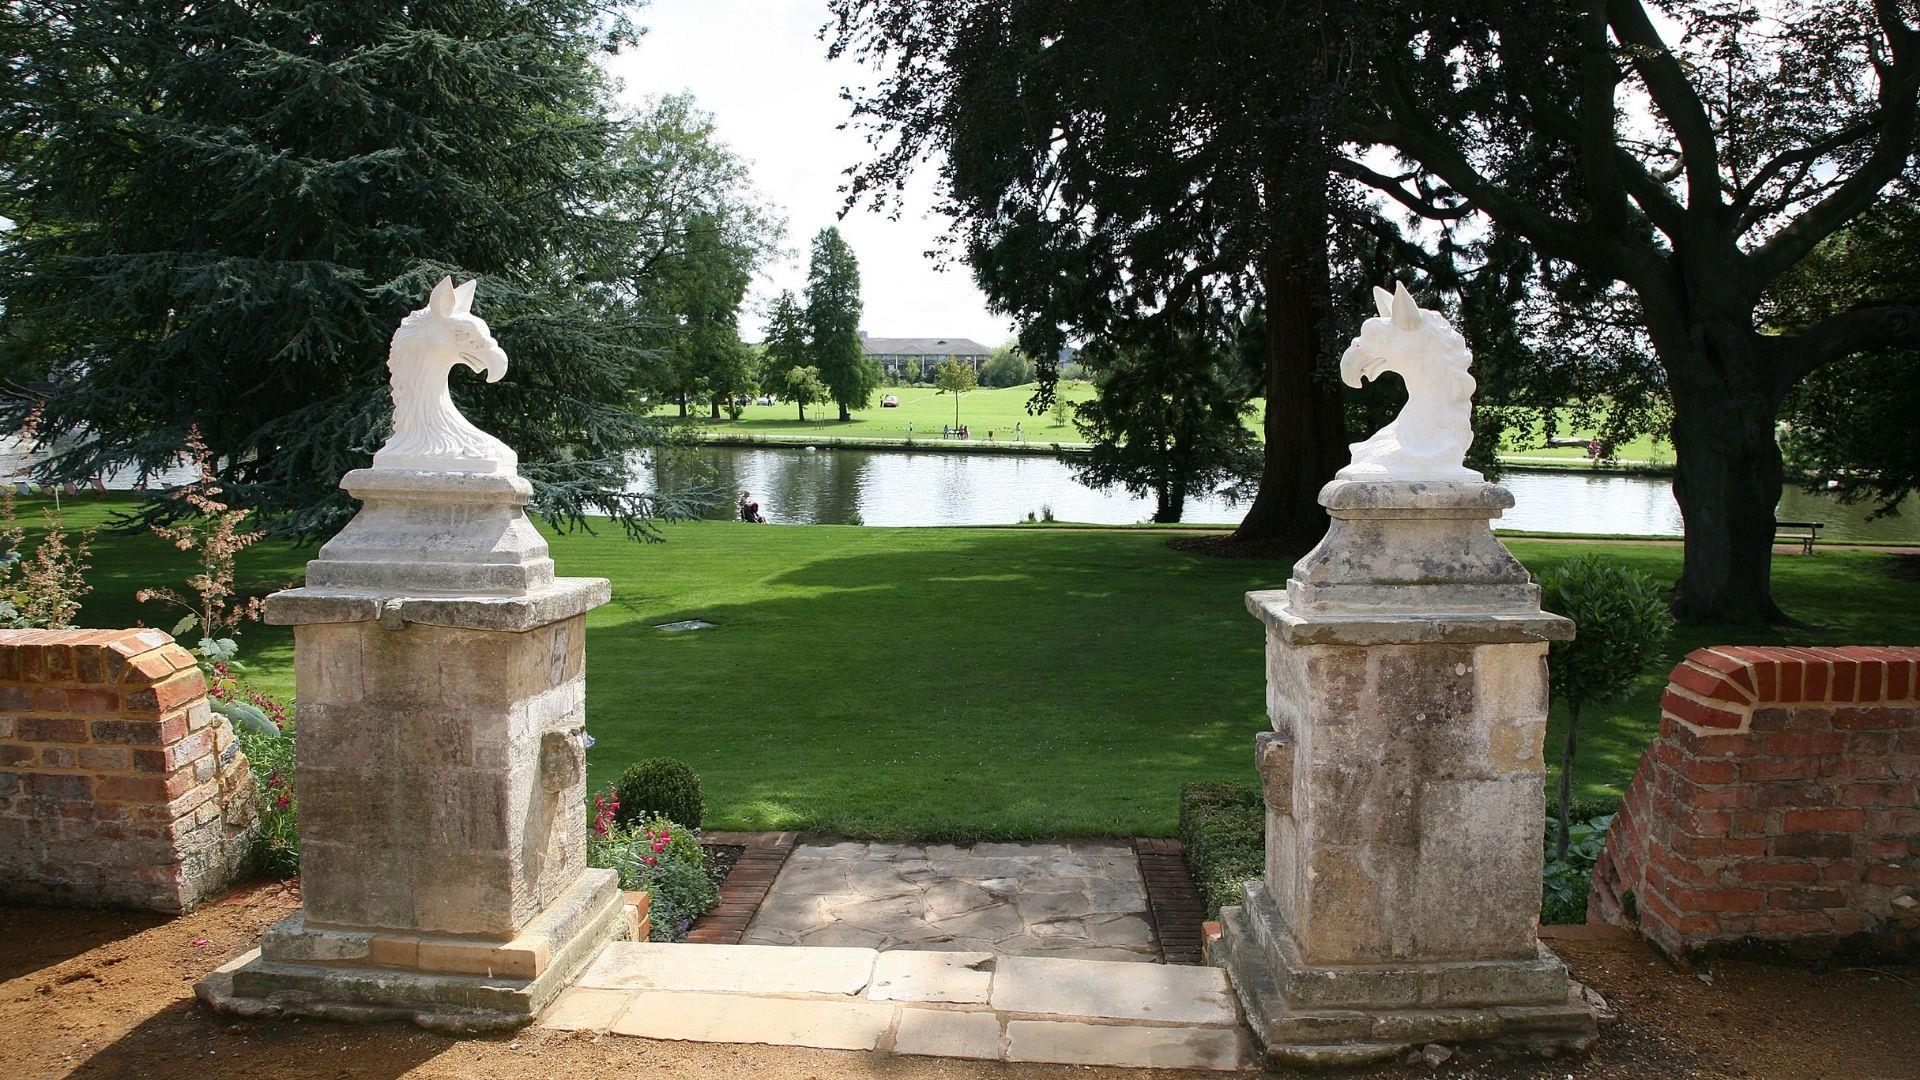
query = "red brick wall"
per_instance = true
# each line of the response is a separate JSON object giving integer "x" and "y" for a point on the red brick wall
{"x": 119, "y": 785}
{"x": 1777, "y": 805}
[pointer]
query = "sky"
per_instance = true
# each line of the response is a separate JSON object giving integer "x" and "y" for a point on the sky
{"x": 761, "y": 69}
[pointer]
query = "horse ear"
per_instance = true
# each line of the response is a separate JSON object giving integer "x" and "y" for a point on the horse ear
{"x": 441, "y": 302}
{"x": 1406, "y": 311}
{"x": 463, "y": 295}
{"x": 1383, "y": 301}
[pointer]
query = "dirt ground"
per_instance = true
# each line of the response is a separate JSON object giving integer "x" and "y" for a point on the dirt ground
{"x": 109, "y": 994}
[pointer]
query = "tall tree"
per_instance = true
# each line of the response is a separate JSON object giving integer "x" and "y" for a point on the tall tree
{"x": 785, "y": 347}
{"x": 1167, "y": 423}
{"x": 223, "y": 210}
{"x": 833, "y": 323}
{"x": 1764, "y": 132}
{"x": 700, "y": 232}
{"x": 1107, "y": 161}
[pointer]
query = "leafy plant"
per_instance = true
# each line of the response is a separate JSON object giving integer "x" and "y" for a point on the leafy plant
{"x": 659, "y": 787}
{"x": 660, "y": 857}
{"x": 1622, "y": 626}
{"x": 212, "y": 532}
{"x": 264, "y": 731}
{"x": 41, "y": 590}
{"x": 1568, "y": 873}
{"x": 270, "y": 756}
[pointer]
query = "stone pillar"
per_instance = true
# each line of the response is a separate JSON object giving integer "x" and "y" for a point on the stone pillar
{"x": 1407, "y": 688}
{"x": 441, "y": 767}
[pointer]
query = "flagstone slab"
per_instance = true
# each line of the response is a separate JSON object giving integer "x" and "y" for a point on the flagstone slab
{"x": 586, "y": 1009}
{"x": 1148, "y": 992}
{"x": 746, "y": 1018}
{"x": 944, "y": 1033}
{"x": 1087, "y": 896}
{"x": 1067, "y": 1043}
{"x": 973, "y": 1004}
{"x": 963, "y": 978}
{"x": 750, "y": 969}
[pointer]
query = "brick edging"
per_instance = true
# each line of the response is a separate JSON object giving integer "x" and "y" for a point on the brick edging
{"x": 746, "y": 885}
{"x": 1172, "y": 901}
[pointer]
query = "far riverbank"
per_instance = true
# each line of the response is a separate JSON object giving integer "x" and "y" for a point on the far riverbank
{"x": 1056, "y": 449}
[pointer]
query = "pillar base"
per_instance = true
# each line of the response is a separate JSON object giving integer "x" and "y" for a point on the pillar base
{"x": 451, "y": 983}
{"x": 1308, "y": 1016}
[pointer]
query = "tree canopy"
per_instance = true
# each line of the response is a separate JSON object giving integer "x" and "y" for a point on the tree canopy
{"x": 1674, "y": 162}
{"x": 1167, "y": 424}
{"x": 701, "y": 232}
{"x": 222, "y": 211}
{"x": 833, "y": 323}
{"x": 1123, "y": 160}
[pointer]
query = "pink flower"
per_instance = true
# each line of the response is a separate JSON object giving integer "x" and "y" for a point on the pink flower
{"x": 650, "y": 860}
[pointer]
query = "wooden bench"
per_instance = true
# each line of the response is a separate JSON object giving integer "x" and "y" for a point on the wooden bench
{"x": 1803, "y": 533}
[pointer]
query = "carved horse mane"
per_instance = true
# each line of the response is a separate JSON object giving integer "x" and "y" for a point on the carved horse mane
{"x": 429, "y": 432}
{"x": 1428, "y": 440}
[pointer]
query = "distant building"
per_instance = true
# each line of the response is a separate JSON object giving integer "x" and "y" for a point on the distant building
{"x": 916, "y": 357}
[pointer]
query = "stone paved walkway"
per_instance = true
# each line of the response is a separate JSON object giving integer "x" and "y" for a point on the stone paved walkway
{"x": 1082, "y": 899}
{"x": 940, "y": 1004}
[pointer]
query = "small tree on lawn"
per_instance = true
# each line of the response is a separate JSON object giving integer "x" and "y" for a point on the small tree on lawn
{"x": 955, "y": 377}
{"x": 1623, "y": 624}
{"x": 805, "y": 387}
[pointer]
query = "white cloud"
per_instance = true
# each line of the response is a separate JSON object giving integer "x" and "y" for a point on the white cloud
{"x": 761, "y": 69}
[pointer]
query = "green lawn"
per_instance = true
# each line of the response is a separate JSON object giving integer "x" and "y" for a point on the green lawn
{"x": 997, "y": 411}
{"x": 927, "y": 409}
{"x": 966, "y": 682}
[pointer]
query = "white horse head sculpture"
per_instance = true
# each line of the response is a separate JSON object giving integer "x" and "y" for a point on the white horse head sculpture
{"x": 1429, "y": 439}
{"x": 428, "y": 431}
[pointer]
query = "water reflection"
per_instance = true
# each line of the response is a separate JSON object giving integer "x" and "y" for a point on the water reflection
{"x": 828, "y": 487}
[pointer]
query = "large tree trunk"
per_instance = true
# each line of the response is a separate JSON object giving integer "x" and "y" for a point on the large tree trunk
{"x": 1305, "y": 428}
{"x": 1727, "y": 479}
{"x": 844, "y": 414}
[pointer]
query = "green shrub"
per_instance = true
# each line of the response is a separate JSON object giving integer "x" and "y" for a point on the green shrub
{"x": 276, "y": 848}
{"x": 1622, "y": 625}
{"x": 1565, "y": 880}
{"x": 1223, "y": 827}
{"x": 666, "y": 861}
{"x": 660, "y": 787}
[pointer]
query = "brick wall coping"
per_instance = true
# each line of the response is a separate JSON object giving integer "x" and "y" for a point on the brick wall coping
{"x": 119, "y": 784}
{"x": 1719, "y": 689}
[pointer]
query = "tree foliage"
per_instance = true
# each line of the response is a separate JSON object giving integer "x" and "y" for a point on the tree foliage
{"x": 1007, "y": 366}
{"x": 1673, "y": 171}
{"x": 1621, "y": 626}
{"x": 701, "y": 232}
{"x": 803, "y": 386}
{"x": 1167, "y": 424}
{"x": 1848, "y": 426}
{"x": 223, "y": 210}
{"x": 1110, "y": 162}
{"x": 833, "y": 323}
{"x": 956, "y": 377}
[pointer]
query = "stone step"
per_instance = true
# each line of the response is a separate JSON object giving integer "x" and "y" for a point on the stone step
{"x": 937, "y": 1004}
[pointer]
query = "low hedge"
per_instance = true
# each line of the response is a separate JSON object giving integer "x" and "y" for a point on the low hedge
{"x": 1223, "y": 827}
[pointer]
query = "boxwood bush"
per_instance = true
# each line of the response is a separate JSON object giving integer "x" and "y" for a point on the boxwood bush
{"x": 1223, "y": 827}
{"x": 660, "y": 787}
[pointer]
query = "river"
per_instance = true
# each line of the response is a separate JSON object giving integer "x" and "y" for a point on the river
{"x": 898, "y": 487}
